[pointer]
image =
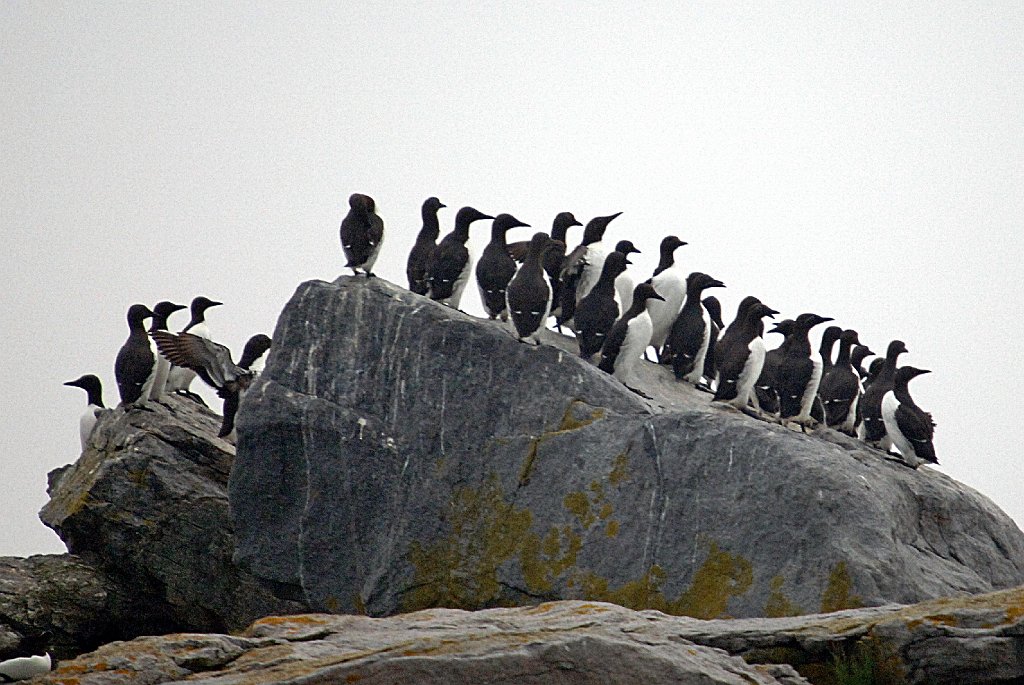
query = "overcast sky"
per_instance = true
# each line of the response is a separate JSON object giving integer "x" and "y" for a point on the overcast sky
{"x": 861, "y": 161}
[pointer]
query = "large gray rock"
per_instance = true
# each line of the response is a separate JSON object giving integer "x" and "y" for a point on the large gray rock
{"x": 397, "y": 455}
{"x": 961, "y": 641}
{"x": 146, "y": 505}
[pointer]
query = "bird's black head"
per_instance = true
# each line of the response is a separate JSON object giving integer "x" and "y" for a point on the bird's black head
{"x": 849, "y": 336}
{"x": 254, "y": 348}
{"x": 645, "y": 291}
{"x": 670, "y": 243}
{"x": 565, "y": 220}
{"x": 541, "y": 242}
{"x": 468, "y": 215}
{"x": 504, "y": 222}
{"x": 361, "y": 203}
{"x": 784, "y": 327}
{"x": 615, "y": 263}
{"x": 896, "y": 348}
{"x": 875, "y": 366}
{"x": 859, "y": 353}
{"x": 714, "y": 308}
{"x": 138, "y": 313}
{"x": 764, "y": 310}
{"x": 595, "y": 228}
{"x": 432, "y": 204}
{"x": 904, "y": 374}
{"x": 809, "y": 321}
{"x": 626, "y": 247}
{"x": 830, "y": 335}
{"x": 745, "y": 304}
{"x": 163, "y": 309}
{"x": 88, "y": 382}
{"x": 201, "y": 304}
{"x": 702, "y": 281}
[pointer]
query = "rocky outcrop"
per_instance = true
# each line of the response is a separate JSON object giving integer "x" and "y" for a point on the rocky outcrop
{"x": 145, "y": 510}
{"x": 61, "y": 604}
{"x": 961, "y": 640}
{"x": 398, "y": 455}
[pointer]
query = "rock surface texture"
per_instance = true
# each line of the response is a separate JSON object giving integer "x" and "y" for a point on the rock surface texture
{"x": 399, "y": 455}
{"x": 145, "y": 509}
{"x": 963, "y": 640}
{"x": 60, "y": 603}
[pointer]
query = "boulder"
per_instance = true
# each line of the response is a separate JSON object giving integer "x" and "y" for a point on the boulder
{"x": 146, "y": 507}
{"x": 397, "y": 455}
{"x": 961, "y": 640}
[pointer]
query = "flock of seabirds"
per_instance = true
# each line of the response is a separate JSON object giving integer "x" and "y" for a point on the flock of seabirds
{"x": 588, "y": 290}
{"x": 614, "y": 319}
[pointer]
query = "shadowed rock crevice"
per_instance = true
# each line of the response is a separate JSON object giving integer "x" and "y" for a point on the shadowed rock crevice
{"x": 397, "y": 455}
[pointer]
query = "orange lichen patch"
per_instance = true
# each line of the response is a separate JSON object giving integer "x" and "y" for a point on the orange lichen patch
{"x": 541, "y": 608}
{"x": 584, "y": 609}
{"x": 299, "y": 619}
{"x": 353, "y": 678}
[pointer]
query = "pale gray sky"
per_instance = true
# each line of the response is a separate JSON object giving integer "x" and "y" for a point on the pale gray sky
{"x": 858, "y": 160}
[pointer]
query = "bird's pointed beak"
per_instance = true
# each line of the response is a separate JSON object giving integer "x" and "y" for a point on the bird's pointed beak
{"x": 73, "y": 384}
{"x": 215, "y": 304}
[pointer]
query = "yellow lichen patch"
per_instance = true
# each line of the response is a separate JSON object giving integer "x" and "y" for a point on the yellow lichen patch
{"x": 778, "y": 604}
{"x": 1014, "y": 612}
{"x": 611, "y": 529}
{"x": 619, "y": 472}
{"x": 579, "y": 505}
{"x": 644, "y": 593}
{"x": 571, "y": 423}
{"x": 837, "y": 595}
{"x": 721, "y": 577}
{"x": 359, "y": 604}
{"x": 332, "y": 603}
{"x": 543, "y": 561}
{"x": 353, "y": 678}
{"x": 460, "y": 571}
{"x": 606, "y": 511}
{"x": 526, "y": 472}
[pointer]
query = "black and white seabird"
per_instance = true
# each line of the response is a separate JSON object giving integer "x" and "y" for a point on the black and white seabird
{"x": 583, "y": 266}
{"x": 841, "y": 388}
{"x": 714, "y": 309}
{"x": 624, "y": 284}
{"x": 629, "y": 337}
{"x": 362, "y": 233}
{"x": 24, "y": 667}
{"x": 740, "y": 353}
{"x": 670, "y": 282}
{"x": 426, "y": 243}
{"x": 135, "y": 366}
{"x": 179, "y": 378}
{"x": 528, "y": 296}
{"x": 597, "y": 312}
{"x": 161, "y": 312}
{"x": 91, "y": 384}
{"x": 910, "y": 428}
{"x": 873, "y": 427}
{"x": 254, "y": 354}
{"x": 689, "y": 337}
{"x": 451, "y": 264}
{"x": 495, "y": 268}
{"x": 766, "y": 394}
{"x": 212, "y": 362}
{"x": 554, "y": 259}
{"x": 799, "y": 373}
